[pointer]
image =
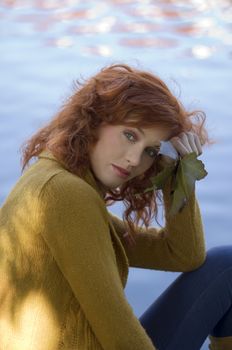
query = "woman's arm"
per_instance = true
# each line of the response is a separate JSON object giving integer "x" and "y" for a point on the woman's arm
{"x": 74, "y": 226}
{"x": 178, "y": 246}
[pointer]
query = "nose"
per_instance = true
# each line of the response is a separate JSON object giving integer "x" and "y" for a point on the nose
{"x": 134, "y": 157}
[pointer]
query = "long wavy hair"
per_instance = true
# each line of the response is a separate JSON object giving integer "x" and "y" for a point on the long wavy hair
{"x": 118, "y": 94}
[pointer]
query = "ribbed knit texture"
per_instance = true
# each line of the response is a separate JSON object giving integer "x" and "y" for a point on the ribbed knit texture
{"x": 64, "y": 263}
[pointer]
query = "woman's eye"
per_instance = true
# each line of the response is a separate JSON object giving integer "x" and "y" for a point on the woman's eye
{"x": 152, "y": 152}
{"x": 130, "y": 136}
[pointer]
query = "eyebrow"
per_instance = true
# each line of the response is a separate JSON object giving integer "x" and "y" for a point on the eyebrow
{"x": 142, "y": 132}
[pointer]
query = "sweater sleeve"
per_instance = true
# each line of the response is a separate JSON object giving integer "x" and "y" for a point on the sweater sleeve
{"x": 75, "y": 228}
{"x": 178, "y": 246}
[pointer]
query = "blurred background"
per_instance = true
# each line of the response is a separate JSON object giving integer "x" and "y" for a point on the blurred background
{"x": 48, "y": 44}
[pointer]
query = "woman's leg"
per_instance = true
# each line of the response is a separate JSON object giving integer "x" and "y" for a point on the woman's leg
{"x": 196, "y": 304}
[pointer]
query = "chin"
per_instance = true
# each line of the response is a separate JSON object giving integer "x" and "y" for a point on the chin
{"x": 112, "y": 187}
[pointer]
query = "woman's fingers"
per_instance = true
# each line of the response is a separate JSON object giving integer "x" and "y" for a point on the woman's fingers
{"x": 187, "y": 143}
{"x": 198, "y": 144}
{"x": 192, "y": 141}
{"x": 181, "y": 148}
{"x": 184, "y": 143}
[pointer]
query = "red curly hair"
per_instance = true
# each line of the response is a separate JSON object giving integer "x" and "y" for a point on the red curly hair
{"x": 118, "y": 94}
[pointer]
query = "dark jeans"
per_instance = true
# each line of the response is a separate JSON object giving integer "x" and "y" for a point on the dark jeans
{"x": 196, "y": 304}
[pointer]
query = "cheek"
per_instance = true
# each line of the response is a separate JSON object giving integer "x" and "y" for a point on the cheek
{"x": 109, "y": 149}
{"x": 111, "y": 142}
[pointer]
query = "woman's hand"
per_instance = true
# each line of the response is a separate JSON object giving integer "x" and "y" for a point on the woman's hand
{"x": 184, "y": 143}
{"x": 181, "y": 173}
{"x": 187, "y": 142}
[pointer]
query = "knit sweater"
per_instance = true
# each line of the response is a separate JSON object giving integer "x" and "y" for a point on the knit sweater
{"x": 64, "y": 263}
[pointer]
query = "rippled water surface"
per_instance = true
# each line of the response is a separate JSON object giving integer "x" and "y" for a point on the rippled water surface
{"x": 45, "y": 45}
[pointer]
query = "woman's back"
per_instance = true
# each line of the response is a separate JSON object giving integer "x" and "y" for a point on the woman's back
{"x": 38, "y": 309}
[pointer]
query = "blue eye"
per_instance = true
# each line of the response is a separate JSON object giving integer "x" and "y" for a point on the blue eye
{"x": 130, "y": 136}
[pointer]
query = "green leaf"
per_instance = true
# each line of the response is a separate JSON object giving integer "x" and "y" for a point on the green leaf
{"x": 161, "y": 178}
{"x": 183, "y": 173}
{"x": 190, "y": 169}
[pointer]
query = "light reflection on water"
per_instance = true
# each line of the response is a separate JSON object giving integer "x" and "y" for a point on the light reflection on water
{"x": 47, "y": 44}
{"x": 172, "y": 23}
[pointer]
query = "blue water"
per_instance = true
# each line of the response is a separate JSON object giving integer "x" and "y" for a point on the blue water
{"x": 46, "y": 44}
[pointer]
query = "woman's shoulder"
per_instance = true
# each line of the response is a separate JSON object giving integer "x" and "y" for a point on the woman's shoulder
{"x": 52, "y": 176}
{"x": 60, "y": 189}
{"x": 48, "y": 176}
{"x": 46, "y": 189}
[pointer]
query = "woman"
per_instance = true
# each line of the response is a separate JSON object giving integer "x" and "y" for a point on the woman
{"x": 65, "y": 258}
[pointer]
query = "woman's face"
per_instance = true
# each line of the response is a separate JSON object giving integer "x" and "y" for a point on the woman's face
{"x": 122, "y": 153}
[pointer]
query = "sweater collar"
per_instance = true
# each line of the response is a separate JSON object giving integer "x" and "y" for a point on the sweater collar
{"x": 88, "y": 177}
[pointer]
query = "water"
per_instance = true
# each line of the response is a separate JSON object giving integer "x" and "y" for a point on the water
{"x": 45, "y": 45}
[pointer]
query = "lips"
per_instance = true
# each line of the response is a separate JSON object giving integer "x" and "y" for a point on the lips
{"x": 121, "y": 170}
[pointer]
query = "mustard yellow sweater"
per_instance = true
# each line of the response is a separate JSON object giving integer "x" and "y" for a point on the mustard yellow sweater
{"x": 64, "y": 263}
